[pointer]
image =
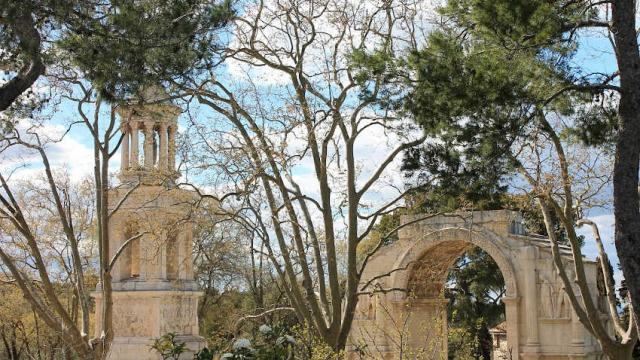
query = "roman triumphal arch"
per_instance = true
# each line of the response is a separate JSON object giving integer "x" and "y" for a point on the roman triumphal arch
{"x": 402, "y": 312}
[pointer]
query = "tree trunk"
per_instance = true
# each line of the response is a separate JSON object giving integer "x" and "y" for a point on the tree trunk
{"x": 29, "y": 43}
{"x": 625, "y": 173}
{"x": 618, "y": 351}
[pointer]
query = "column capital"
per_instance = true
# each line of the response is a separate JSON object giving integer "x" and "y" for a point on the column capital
{"x": 135, "y": 125}
{"x": 529, "y": 252}
{"x": 149, "y": 125}
{"x": 510, "y": 300}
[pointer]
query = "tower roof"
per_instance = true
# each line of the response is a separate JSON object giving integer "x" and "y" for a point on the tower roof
{"x": 154, "y": 94}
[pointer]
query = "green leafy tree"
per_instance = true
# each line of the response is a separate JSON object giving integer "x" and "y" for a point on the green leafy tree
{"x": 119, "y": 46}
{"x": 130, "y": 45}
{"x": 21, "y": 42}
{"x": 475, "y": 287}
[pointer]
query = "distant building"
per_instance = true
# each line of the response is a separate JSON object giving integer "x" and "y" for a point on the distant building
{"x": 500, "y": 348}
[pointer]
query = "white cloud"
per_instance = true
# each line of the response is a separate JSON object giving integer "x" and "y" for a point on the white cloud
{"x": 68, "y": 151}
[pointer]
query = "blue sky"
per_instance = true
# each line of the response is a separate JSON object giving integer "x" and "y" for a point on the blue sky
{"x": 595, "y": 54}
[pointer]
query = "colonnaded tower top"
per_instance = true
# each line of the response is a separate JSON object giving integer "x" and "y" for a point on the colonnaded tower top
{"x": 154, "y": 291}
{"x": 157, "y": 120}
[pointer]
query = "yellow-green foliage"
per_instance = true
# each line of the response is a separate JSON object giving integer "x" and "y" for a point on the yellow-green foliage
{"x": 24, "y": 332}
{"x": 464, "y": 342}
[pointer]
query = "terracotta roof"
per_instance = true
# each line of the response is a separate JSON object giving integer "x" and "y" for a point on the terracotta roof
{"x": 502, "y": 327}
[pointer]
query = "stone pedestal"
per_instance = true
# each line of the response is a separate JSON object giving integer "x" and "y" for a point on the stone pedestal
{"x": 140, "y": 317}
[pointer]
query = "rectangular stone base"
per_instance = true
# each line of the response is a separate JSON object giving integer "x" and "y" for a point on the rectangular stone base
{"x": 139, "y": 348}
{"x": 151, "y": 314}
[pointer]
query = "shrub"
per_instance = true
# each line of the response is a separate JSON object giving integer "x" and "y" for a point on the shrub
{"x": 169, "y": 347}
{"x": 268, "y": 344}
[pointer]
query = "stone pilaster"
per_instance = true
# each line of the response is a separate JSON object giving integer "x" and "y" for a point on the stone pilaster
{"x": 153, "y": 256}
{"x": 577, "y": 329}
{"x": 528, "y": 255}
{"x": 511, "y": 305}
{"x": 182, "y": 257}
{"x": 116, "y": 238}
{"x": 188, "y": 264}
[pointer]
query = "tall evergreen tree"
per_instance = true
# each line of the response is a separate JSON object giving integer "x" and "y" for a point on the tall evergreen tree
{"x": 120, "y": 46}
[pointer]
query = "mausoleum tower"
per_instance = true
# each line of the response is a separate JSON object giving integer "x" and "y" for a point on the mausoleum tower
{"x": 154, "y": 292}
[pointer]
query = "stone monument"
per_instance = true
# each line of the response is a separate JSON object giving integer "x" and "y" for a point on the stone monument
{"x": 403, "y": 308}
{"x": 154, "y": 292}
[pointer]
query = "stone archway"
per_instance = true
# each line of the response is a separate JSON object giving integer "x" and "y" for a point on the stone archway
{"x": 428, "y": 262}
{"x": 409, "y": 316}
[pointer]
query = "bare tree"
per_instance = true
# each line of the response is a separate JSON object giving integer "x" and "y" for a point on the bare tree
{"x": 26, "y": 253}
{"x": 295, "y": 129}
{"x": 399, "y": 332}
{"x": 224, "y": 263}
{"x": 567, "y": 180}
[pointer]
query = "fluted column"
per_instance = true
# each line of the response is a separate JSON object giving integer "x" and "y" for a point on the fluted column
{"x": 155, "y": 149}
{"x": 116, "y": 238}
{"x": 577, "y": 329}
{"x": 124, "y": 150}
{"x": 181, "y": 262}
{"x": 148, "y": 145}
{"x": 172, "y": 148}
{"x": 530, "y": 295}
{"x": 163, "y": 146}
{"x": 134, "y": 159}
{"x": 511, "y": 310}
